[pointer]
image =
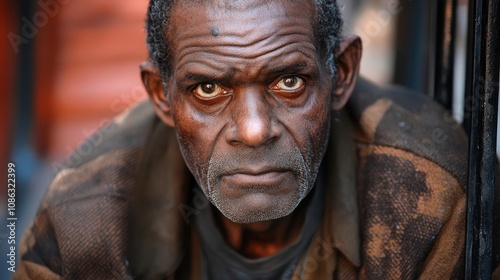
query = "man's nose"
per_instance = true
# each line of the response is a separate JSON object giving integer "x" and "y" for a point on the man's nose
{"x": 254, "y": 122}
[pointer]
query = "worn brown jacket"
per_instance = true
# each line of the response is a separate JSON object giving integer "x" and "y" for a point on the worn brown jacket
{"x": 124, "y": 208}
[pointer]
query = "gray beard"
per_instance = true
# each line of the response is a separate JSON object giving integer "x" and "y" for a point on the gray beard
{"x": 305, "y": 177}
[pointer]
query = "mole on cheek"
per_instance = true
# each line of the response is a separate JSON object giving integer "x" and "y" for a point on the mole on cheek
{"x": 214, "y": 31}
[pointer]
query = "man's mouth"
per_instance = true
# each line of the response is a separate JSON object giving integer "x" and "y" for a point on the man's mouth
{"x": 253, "y": 177}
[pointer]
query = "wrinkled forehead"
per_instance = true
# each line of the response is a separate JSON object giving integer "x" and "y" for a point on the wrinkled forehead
{"x": 237, "y": 18}
{"x": 224, "y": 4}
{"x": 236, "y": 5}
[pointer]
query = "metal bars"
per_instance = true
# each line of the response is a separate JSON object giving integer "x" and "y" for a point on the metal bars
{"x": 484, "y": 65}
{"x": 442, "y": 87}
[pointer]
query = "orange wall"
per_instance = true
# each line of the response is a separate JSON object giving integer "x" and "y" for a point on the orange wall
{"x": 87, "y": 70}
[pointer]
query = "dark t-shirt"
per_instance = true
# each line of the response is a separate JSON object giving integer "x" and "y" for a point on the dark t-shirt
{"x": 220, "y": 261}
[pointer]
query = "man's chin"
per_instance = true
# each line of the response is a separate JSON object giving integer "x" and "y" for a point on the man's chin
{"x": 256, "y": 207}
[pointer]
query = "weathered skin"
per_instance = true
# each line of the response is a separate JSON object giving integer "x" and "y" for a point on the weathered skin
{"x": 251, "y": 100}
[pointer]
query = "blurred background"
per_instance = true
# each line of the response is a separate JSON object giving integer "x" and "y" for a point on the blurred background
{"x": 69, "y": 66}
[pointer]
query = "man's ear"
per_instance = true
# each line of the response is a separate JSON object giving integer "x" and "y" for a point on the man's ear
{"x": 348, "y": 60}
{"x": 151, "y": 78}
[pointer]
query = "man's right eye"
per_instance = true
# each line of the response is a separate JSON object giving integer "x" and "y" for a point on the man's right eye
{"x": 208, "y": 90}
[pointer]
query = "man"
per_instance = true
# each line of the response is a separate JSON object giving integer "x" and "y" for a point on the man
{"x": 248, "y": 111}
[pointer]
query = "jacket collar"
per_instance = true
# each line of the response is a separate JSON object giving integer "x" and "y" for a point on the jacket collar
{"x": 342, "y": 214}
{"x": 156, "y": 227}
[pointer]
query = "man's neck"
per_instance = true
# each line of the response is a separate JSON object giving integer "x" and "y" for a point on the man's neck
{"x": 265, "y": 238}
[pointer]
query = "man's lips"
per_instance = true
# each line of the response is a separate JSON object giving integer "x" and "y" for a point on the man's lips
{"x": 256, "y": 177}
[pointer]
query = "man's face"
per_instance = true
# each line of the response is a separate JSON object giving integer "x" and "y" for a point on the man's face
{"x": 251, "y": 103}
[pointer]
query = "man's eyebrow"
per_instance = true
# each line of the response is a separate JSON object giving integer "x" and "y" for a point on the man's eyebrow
{"x": 192, "y": 77}
{"x": 298, "y": 67}
{"x": 196, "y": 77}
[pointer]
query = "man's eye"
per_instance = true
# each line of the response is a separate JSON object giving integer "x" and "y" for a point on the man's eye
{"x": 208, "y": 90}
{"x": 289, "y": 83}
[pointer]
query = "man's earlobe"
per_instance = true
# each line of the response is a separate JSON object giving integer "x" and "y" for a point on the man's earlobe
{"x": 348, "y": 61}
{"x": 152, "y": 80}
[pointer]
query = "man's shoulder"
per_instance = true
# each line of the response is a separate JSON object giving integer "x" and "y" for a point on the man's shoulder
{"x": 412, "y": 167}
{"x": 409, "y": 122}
{"x": 84, "y": 214}
{"x": 106, "y": 162}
